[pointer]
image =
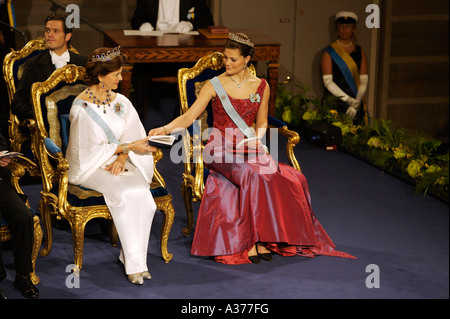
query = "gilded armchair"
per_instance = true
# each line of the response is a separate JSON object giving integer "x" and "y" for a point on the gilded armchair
{"x": 52, "y": 101}
{"x": 19, "y": 131}
{"x": 17, "y": 172}
{"x": 190, "y": 81}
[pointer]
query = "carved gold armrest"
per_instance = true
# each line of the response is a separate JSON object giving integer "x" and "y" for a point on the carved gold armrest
{"x": 158, "y": 180}
{"x": 17, "y": 169}
{"x": 292, "y": 139}
{"x": 197, "y": 157}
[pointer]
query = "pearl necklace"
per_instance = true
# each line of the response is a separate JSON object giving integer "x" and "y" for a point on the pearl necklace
{"x": 97, "y": 101}
{"x": 345, "y": 45}
{"x": 239, "y": 83}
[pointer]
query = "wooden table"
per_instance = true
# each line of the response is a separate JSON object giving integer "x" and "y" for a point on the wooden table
{"x": 189, "y": 48}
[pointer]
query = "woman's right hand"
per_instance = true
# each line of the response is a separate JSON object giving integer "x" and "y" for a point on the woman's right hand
{"x": 142, "y": 146}
{"x": 157, "y": 131}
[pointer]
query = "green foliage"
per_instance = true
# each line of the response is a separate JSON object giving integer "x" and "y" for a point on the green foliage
{"x": 411, "y": 156}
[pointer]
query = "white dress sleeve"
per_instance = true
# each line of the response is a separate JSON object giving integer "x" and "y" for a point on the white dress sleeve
{"x": 134, "y": 130}
{"x": 88, "y": 147}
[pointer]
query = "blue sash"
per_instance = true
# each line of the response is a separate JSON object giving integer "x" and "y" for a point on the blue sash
{"x": 97, "y": 119}
{"x": 231, "y": 111}
{"x": 344, "y": 69}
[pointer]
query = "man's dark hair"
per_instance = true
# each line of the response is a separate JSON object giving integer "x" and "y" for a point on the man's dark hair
{"x": 61, "y": 18}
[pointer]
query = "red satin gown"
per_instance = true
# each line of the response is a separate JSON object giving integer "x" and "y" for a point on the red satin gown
{"x": 254, "y": 201}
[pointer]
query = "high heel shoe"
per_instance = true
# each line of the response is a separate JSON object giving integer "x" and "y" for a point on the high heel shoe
{"x": 266, "y": 256}
{"x": 136, "y": 279}
{"x": 146, "y": 275}
{"x": 254, "y": 259}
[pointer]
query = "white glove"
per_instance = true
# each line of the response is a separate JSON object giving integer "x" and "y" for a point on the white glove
{"x": 146, "y": 27}
{"x": 364, "y": 80}
{"x": 353, "y": 102}
{"x": 351, "y": 111}
{"x": 184, "y": 27}
{"x": 334, "y": 89}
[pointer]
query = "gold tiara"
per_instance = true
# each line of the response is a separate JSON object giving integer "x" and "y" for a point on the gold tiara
{"x": 238, "y": 38}
{"x": 108, "y": 56}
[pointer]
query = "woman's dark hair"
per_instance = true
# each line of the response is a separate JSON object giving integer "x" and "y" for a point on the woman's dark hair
{"x": 94, "y": 68}
{"x": 244, "y": 49}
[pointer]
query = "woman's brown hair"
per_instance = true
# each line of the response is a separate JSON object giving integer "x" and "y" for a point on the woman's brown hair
{"x": 94, "y": 67}
{"x": 245, "y": 50}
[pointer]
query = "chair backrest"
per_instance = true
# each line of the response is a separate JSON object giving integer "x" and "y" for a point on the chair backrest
{"x": 52, "y": 101}
{"x": 12, "y": 70}
{"x": 14, "y": 60}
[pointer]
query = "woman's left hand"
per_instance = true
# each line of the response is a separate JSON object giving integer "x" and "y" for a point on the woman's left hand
{"x": 116, "y": 167}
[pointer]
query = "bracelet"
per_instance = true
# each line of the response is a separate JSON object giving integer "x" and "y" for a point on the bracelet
{"x": 134, "y": 146}
{"x": 125, "y": 149}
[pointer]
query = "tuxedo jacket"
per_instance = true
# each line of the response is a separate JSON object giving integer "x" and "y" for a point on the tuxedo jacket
{"x": 147, "y": 11}
{"x": 36, "y": 69}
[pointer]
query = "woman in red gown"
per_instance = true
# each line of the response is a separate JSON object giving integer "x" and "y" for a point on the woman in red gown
{"x": 251, "y": 205}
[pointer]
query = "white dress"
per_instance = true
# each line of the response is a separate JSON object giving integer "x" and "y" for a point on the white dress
{"x": 128, "y": 197}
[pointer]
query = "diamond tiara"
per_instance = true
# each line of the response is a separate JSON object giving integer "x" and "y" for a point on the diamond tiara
{"x": 238, "y": 38}
{"x": 108, "y": 56}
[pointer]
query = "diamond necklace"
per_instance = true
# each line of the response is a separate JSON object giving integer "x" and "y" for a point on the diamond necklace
{"x": 239, "y": 83}
{"x": 97, "y": 101}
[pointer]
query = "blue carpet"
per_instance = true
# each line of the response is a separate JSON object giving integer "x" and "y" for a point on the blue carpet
{"x": 367, "y": 213}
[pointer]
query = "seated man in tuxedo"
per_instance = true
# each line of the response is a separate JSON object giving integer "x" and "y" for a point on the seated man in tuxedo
{"x": 179, "y": 16}
{"x": 39, "y": 68}
{"x": 20, "y": 224}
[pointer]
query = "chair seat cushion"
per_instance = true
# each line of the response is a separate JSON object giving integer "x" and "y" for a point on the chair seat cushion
{"x": 79, "y": 196}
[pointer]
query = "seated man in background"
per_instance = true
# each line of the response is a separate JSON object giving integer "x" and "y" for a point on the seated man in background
{"x": 39, "y": 68}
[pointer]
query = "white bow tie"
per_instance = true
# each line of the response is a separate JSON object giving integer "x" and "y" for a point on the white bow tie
{"x": 60, "y": 60}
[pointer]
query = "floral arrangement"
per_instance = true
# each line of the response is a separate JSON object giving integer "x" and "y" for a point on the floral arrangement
{"x": 414, "y": 158}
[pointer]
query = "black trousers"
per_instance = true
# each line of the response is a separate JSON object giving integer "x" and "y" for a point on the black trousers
{"x": 20, "y": 224}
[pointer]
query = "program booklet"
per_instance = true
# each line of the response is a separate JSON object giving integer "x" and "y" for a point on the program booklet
{"x": 161, "y": 141}
{"x": 9, "y": 154}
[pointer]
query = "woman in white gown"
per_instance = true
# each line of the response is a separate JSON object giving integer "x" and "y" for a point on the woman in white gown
{"x": 108, "y": 152}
